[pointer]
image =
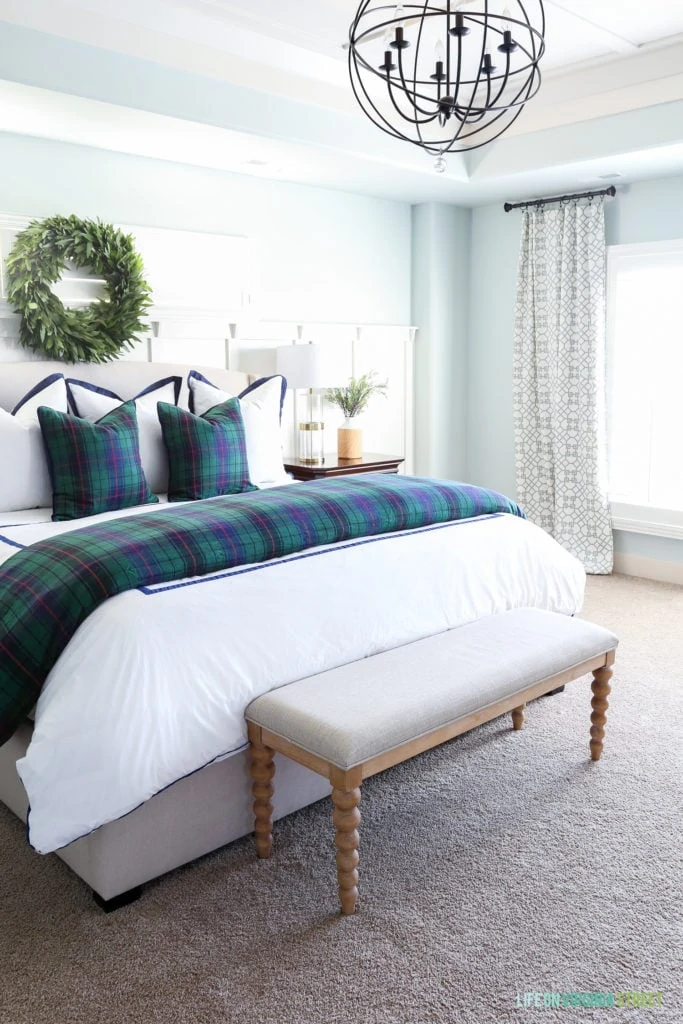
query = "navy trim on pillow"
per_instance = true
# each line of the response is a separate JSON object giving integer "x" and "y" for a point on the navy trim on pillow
{"x": 196, "y": 375}
{"x": 40, "y": 386}
{"x": 177, "y": 384}
{"x": 176, "y": 381}
{"x": 88, "y": 387}
{"x": 263, "y": 380}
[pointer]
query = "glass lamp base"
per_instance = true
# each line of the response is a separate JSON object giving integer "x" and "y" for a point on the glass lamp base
{"x": 312, "y": 443}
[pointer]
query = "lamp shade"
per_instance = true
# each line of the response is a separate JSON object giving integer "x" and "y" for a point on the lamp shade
{"x": 302, "y": 365}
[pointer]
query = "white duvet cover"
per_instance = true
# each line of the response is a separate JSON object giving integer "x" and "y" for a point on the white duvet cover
{"x": 155, "y": 682}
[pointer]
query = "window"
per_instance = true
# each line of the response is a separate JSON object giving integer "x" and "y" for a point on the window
{"x": 645, "y": 386}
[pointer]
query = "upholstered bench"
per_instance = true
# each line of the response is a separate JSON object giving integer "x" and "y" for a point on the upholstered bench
{"x": 356, "y": 720}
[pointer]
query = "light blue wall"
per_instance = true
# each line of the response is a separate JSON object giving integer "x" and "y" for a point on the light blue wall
{"x": 324, "y": 255}
{"x": 51, "y": 62}
{"x": 645, "y": 211}
{"x": 493, "y": 273}
{"x": 440, "y": 297}
{"x": 649, "y": 211}
{"x": 667, "y": 549}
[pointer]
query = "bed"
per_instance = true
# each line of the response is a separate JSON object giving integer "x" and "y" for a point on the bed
{"x": 215, "y": 642}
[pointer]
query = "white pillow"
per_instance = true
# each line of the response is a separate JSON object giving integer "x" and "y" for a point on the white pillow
{"x": 261, "y": 407}
{"x": 92, "y": 403}
{"x": 24, "y": 475}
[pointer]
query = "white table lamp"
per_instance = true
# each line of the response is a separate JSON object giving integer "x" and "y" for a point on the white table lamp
{"x": 303, "y": 367}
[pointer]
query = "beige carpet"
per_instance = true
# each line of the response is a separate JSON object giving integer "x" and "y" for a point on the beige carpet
{"x": 500, "y": 863}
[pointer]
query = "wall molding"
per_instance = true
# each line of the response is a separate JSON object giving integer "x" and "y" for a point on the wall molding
{"x": 649, "y": 568}
{"x": 648, "y": 519}
{"x": 649, "y": 528}
{"x": 15, "y": 221}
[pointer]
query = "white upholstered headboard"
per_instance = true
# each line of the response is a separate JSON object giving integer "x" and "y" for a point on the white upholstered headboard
{"x": 126, "y": 378}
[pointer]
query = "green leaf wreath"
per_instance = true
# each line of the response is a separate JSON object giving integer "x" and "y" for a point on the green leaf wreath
{"x": 95, "y": 333}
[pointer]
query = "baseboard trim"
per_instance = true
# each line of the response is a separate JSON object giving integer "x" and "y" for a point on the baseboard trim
{"x": 649, "y": 568}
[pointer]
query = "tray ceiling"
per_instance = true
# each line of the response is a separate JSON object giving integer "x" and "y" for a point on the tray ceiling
{"x": 280, "y": 103}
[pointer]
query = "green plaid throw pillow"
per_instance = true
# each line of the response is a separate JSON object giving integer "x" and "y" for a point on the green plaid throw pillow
{"x": 207, "y": 455}
{"x": 94, "y": 467}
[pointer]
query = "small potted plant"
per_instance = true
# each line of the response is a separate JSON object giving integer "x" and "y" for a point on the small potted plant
{"x": 352, "y": 400}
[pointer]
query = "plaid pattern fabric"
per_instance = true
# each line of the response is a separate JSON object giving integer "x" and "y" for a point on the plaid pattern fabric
{"x": 207, "y": 455}
{"x": 48, "y": 589}
{"x": 94, "y": 467}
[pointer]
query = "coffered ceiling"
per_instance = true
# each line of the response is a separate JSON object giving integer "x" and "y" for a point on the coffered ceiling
{"x": 611, "y": 102}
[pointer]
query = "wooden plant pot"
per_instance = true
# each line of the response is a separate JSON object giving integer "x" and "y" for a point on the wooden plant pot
{"x": 349, "y": 442}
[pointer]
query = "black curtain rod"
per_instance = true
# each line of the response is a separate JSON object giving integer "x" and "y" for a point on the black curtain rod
{"x": 611, "y": 191}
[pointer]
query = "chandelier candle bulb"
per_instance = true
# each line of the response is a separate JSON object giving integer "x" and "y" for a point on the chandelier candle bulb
{"x": 439, "y": 54}
{"x": 400, "y": 43}
{"x": 439, "y": 75}
{"x": 508, "y": 45}
{"x": 488, "y": 68}
{"x": 388, "y": 65}
{"x": 460, "y": 28}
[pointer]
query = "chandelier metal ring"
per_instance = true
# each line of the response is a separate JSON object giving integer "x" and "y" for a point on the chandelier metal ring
{"x": 434, "y": 78}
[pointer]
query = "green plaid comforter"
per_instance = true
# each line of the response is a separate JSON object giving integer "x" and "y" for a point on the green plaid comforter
{"x": 48, "y": 589}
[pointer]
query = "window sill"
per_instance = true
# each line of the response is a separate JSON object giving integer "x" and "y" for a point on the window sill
{"x": 657, "y": 522}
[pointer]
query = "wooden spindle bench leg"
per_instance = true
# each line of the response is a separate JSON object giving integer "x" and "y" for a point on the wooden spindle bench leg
{"x": 601, "y": 690}
{"x": 518, "y": 717}
{"x": 262, "y": 772}
{"x": 347, "y": 819}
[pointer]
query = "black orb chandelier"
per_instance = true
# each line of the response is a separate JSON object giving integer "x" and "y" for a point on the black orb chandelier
{"x": 455, "y": 75}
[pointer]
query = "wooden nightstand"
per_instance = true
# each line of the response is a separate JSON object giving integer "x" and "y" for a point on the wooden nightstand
{"x": 332, "y": 466}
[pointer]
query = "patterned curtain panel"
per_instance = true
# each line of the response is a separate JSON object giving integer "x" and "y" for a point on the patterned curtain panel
{"x": 559, "y": 379}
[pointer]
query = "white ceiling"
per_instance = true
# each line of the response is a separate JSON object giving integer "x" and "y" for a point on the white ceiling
{"x": 577, "y": 29}
{"x": 607, "y": 60}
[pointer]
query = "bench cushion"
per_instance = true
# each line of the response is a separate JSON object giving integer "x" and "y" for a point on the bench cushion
{"x": 356, "y": 712}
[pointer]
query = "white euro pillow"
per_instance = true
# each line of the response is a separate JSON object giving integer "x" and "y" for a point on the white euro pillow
{"x": 261, "y": 407}
{"x": 24, "y": 475}
{"x": 92, "y": 403}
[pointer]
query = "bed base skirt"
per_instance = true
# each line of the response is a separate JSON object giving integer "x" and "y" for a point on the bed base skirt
{"x": 195, "y": 816}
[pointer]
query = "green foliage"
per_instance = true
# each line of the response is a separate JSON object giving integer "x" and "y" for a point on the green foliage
{"x": 353, "y": 398}
{"x": 98, "y": 332}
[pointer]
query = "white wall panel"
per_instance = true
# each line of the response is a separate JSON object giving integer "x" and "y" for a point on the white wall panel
{"x": 199, "y": 319}
{"x": 200, "y": 352}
